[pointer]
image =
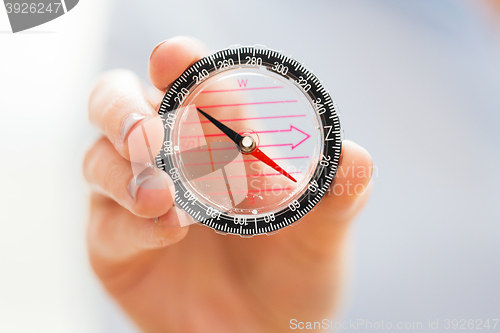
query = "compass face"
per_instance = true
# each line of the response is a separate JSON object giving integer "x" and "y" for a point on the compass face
{"x": 252, "y": 141}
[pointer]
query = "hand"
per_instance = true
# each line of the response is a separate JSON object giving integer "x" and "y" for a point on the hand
{"x": 170, "y": 278}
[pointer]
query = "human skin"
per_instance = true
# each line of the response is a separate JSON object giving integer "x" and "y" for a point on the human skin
{"x": 496, "y": 6}
{"x": 169, "y": 278}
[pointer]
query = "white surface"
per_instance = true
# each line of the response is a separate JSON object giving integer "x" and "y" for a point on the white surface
{"x": 45, "y": 281}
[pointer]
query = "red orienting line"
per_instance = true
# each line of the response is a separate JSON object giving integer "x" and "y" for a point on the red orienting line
{"x": 231, "y": 148}
{"x": 247, "y": 176}
{"x": 189, "y": 151}
{"x": 248, "y": 161}
{"x": 241, "y": 104}
{"x": 242, "y": 119}
{"x": 239, "y": 89}
{"x": 277, "y": 145}
{"x": 211, "y": 159}
{"x": 222, "y": 134}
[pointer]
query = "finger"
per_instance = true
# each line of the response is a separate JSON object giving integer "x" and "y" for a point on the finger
{"x": 147, "y": 195}
{"x": 324, "y": 228}
{"x": 117, "y": 105}
{"x": 172, "y": 57}
{"x": 116, "y": 235}
{"x": 350, "y": 184}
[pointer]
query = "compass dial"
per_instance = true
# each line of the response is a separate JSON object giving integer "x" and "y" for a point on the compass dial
{"x": 252, "y": 140}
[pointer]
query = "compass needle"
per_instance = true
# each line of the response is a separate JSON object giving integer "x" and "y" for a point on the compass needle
{"x": 237, "y": 138}
{"x": 229, "y": 118}
{"x": 257, "y": 153}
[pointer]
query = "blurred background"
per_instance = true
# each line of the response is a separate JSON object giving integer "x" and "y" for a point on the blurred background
{"x": 417, "y": 83}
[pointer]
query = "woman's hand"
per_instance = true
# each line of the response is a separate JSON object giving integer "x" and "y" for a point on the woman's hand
{"x": 170, "y": 278}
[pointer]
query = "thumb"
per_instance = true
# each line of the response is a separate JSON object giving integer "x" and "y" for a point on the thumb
{"x": 323, "y": 229}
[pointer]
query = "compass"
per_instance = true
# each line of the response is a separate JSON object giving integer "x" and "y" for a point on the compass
{"x": 252, "y": 141}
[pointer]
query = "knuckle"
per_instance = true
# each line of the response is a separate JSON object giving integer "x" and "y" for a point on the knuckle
{"x": 119, "y": 83}
{"x": 115, "y": 180}
{"x": 119, "y": 107}
{"x": 117, "y": 104}
{"x": 104, "y": 83}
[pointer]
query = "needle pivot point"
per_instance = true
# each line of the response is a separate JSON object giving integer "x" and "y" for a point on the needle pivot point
{"x": 247, "y": 144}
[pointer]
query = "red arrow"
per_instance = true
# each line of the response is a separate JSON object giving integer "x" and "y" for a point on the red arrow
{"x": 293, "y": 146}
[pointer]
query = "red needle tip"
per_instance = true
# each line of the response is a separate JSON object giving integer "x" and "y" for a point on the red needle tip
{"x": 257, "y": 153}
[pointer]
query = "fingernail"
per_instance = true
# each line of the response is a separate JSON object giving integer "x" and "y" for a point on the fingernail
{"x": 128, "y": 123}
{"x": 150, "y": 178}
{"x": 157, "y": 46}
